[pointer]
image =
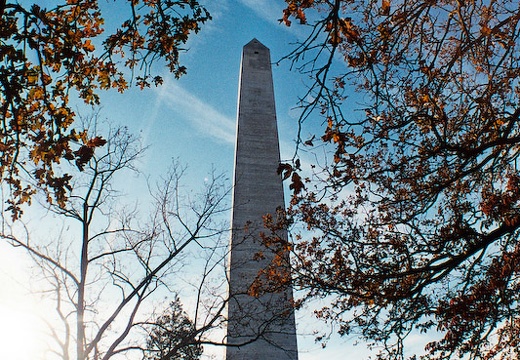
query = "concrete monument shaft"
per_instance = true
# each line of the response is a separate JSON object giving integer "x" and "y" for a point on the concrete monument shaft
{"x": 259, "y": 328}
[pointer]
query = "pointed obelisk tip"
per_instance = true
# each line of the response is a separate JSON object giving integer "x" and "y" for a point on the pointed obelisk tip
{"x": 255, "y": 43}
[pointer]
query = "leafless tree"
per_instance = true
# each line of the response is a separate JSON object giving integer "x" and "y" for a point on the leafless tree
{"x": 110, "y": 267}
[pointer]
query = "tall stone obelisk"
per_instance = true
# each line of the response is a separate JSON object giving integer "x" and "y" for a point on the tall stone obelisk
{"x": 263, "y": 327}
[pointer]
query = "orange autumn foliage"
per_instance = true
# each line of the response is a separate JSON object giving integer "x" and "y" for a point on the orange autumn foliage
{"x": 414, "y": 214}
{"x": 49, "y": 55}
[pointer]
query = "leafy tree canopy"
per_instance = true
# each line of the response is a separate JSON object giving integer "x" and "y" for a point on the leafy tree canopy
{"x": 171, "y": 336}
{"x": 49, "y": 54}
{"x": 415, "y": 215}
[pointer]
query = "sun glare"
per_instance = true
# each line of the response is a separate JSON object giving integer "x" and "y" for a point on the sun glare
{"x": 22, "y": 330}
{"x": 21, "y": 334}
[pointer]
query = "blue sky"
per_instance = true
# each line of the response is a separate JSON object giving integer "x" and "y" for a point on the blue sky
{"x": 193, "y": 119}
{"x": 195, "y": 116}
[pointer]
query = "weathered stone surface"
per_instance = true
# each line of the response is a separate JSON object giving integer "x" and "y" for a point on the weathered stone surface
{"x": 264, "y": 327}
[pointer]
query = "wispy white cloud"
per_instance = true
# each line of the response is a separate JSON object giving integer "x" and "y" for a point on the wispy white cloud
{"x": 272, "y": 12}
{"x": 204, "y": 117}
{"x": 265, "y": 9}
{"x": 218, "y": 10}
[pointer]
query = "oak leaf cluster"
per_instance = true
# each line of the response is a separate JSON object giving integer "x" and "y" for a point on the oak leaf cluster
{"x": 52, "y": 53}
{"x": 412, "y": 223}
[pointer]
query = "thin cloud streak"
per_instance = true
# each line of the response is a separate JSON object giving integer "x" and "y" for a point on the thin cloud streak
{"x": 268, "y": 11}
{"x": 205, "y": 118}
{"x": 264, "y": 9}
